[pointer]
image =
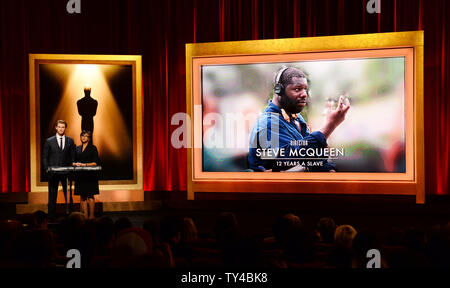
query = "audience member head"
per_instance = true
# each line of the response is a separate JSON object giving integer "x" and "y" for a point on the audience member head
{"x": 121, "y": 224}
{"x": 134, "y": 241}
{"x": 226, "y": 227}
{"x": 362, "y": 243}
{"x": 243, "y": 253}
{"x": 294, "y": 219}
{"x": 286, "y": 226}
{"x": 129, "y": 245}
{"x": 170, "y": 230}
{"x": 82, "y": 237}
{"x": 189, "y": 230}
{"x": 415, "y": 256}
{"x": 325, "y": 230}
{"x": 152, "y": 227}
{"x": 438, "y": 246}
{"x": 396, "y": 237}
{"x": 292, "y": 238}
{"x": 414, "y": 239}
{"x": 104, "y": 230}
{"x": 342, "y": 253}
{"x": 28, "y": 220}
{"x": 41, "y": 219}
{"x": 33, "y": 248}
{"x": 76, "y": 219}
{"x": 344, "y": 235}
{"x": 9, "y": 232}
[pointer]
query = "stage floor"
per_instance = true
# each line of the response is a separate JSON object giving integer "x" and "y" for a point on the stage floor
{"x": 110, "y": 201}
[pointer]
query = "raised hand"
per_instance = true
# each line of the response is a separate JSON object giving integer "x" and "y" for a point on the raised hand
{"x": 335, "y": 116}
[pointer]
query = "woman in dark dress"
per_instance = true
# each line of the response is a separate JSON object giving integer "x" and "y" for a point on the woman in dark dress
{"x": 86, "y": 182}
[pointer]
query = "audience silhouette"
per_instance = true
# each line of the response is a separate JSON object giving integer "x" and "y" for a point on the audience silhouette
{"x": 176, "y": 242}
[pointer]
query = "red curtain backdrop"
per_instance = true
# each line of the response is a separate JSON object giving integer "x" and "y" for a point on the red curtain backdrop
{"x": 158, "y": 30}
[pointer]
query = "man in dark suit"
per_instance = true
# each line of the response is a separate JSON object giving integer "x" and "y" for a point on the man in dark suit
{"x": 59, "y": 151}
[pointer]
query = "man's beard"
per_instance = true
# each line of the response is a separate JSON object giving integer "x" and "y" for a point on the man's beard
{"x": 289, "y": 105}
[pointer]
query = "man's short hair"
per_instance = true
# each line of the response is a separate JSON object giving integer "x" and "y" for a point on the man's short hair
{"x": 61, "y": 122}
{"x": 288, "y": 74}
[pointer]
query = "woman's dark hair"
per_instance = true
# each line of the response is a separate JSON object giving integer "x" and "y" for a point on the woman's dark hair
{"x": 89, "y": 133}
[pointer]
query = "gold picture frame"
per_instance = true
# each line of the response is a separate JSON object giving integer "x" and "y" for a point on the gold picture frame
{"x": 135, "y": 61}
{"x": 407, "y": 44}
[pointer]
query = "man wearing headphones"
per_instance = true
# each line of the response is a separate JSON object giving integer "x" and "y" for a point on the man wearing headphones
{"x": 281, "y": 126}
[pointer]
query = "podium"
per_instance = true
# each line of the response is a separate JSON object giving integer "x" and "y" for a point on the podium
{"x": 70, "y": 172}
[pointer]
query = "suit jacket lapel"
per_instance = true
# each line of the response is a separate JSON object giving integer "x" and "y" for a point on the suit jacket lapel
{"x": 55, "y": 142}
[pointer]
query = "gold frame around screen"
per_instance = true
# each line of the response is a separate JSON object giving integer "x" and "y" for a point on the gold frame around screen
{"x": 35, "y": 149}
{"x": 407, "y": 44}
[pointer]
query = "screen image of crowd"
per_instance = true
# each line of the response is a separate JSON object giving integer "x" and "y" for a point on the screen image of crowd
{"x": 175, "y": 242}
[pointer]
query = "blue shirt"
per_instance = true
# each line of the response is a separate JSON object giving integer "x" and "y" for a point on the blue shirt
{"x": 271, "y": 130}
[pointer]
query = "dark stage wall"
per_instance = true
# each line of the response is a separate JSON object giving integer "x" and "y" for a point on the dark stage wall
{"x": 158, "y": 30}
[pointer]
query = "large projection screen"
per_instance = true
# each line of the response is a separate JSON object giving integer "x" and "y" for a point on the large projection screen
{"x": 379, "y": 145}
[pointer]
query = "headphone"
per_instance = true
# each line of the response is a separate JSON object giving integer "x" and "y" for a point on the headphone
{"x": 279, "y": 88}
